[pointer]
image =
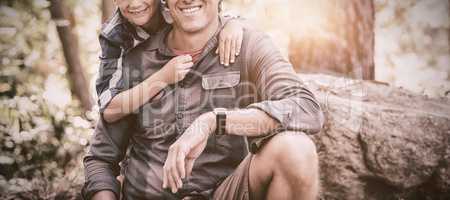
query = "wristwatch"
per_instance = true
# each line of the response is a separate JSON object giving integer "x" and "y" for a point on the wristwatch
{"x": 221, "y": 120}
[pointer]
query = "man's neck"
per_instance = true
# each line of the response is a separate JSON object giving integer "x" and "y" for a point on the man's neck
{"x": 189, "y": 42}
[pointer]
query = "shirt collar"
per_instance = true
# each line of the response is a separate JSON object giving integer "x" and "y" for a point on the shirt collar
{"x": 138, "y": 34}
{"x": 112, "y": 22}
{"x": 158, "y": 41}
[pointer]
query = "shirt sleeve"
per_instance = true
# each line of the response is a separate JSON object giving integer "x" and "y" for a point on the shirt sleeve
{"x": 283, "y": 95}
{"x": 112, "y": 77}
{"x": 101, "y": 163}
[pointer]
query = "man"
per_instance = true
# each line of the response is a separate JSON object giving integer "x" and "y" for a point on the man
{"x": 133, "y": 23}
{"x": 191, "y": 140}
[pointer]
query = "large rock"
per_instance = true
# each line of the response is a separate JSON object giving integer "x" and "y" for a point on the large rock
{"x": 381, "y": 142}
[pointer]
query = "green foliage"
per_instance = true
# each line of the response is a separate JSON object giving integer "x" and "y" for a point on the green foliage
{"x": 41, "y": 143}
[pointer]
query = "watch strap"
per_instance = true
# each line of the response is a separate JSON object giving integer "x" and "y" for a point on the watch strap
{"x": 221, "y": 120}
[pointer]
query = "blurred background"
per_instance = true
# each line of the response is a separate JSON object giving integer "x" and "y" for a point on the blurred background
{"x": 49, "y": 60}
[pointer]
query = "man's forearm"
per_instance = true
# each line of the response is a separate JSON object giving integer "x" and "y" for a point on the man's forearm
{"x": 130, "y": 100}
{"x": 247, "y": 122}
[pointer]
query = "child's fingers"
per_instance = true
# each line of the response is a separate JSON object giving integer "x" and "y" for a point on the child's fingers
{"x": 233, "y": 50}
{"x": 184, "y": 58}
{"x": 227, "y": 52}
{"x": 184, "y": 66}
{"x": 188, "y": 65}
{"x": 239, "y": 44}
{"x": 222, "y": 51}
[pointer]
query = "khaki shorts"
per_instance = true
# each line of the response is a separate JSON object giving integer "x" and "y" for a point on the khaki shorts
{"x": 236, "y": 186}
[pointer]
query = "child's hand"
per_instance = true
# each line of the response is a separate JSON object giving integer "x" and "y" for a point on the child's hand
{"x": 176, "y": 69}
{"x": 230, "y": 40}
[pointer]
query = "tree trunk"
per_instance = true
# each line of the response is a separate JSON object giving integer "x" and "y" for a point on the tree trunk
{"x": 344, "y": 46}
{"x": 381, "y": 142}
{"x": 107, "y": 9}
{"x": 65, "y": 22}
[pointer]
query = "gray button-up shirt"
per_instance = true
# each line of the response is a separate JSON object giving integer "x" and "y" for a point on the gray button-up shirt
{"x": 260, "y": 79}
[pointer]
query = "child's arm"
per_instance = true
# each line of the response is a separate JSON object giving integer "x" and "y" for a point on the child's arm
{"x": 105, "y": 84}
{"x": 130, "y": 100}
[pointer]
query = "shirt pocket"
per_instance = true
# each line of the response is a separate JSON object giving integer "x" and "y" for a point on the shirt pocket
{"x": 221, "y": 89}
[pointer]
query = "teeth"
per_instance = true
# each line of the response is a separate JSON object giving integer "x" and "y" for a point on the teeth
{"x": 137, "y": 11}
{"x": 191, "y": 10}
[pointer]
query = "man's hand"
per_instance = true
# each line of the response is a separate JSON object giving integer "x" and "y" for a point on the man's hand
{"x": 183, "y": 153}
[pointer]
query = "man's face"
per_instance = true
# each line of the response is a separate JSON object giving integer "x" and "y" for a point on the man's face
{"x": 193, "y": 15}
{"x": 138, "y": 12}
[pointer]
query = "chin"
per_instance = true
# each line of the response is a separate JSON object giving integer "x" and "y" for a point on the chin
{"x": 194, "y": 26}
{"x": 141, "y": 21}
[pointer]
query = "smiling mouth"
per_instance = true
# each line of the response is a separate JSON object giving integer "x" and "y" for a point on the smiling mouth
{"x": 138, "y": 11}
{"x": 190, "y": 10}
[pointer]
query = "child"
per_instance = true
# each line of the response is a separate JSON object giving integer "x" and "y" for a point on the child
{"x": 133, "y": 23}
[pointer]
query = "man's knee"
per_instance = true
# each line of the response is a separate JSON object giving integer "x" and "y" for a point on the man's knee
{"x": 287, "y": 158}
{"x": 292, "y": 150}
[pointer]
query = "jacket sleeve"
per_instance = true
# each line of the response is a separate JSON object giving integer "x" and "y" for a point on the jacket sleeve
{"x": 283, "y": 95}
{"x": 101, "y": 163}
{"x": 111, "y": 77}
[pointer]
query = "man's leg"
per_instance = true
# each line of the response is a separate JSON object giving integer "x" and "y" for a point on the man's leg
{"x": 285, "y": 168}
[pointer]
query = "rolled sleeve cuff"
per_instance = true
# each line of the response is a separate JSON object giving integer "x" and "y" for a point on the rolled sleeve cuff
{"x": 106, "y": 97}
{"x": 293, "y": 114}
{"x": 90, "y": 189}
{"x": 280, "y": 114}
{"x": 255, "y": 143}
{"x": 274, "y": 110}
